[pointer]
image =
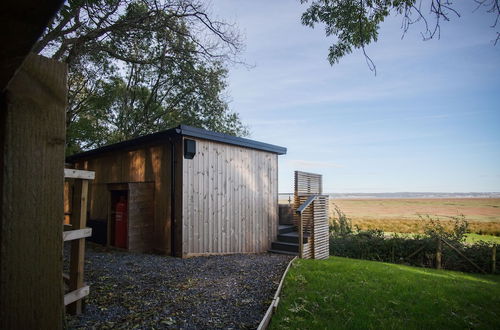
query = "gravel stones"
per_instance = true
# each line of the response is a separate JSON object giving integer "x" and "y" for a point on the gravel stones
{"x": 144, "y": 291}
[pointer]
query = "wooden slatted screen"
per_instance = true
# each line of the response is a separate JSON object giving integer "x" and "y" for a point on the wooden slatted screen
{"x": 315, "y": 217}
{"x": 320, "y": 242}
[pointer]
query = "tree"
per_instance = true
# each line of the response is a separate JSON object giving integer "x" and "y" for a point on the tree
{"x": 355, "y": 23}
{"x": 139, "y": 66}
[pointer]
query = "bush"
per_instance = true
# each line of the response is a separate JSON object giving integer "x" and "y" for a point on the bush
{"x": 434, "y": 228}
{"x": 341, "y": 225}
{"x": 416, "y": 250}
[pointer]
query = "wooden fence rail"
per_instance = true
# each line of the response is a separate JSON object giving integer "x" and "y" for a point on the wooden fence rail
{"x": 438, "y": 257}
{"x": 78, "y": 222}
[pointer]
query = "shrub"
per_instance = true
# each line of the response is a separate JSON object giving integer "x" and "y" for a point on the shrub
{"x": 341, "y": 225}
{"x": 415, "y": 250}
{"x": 434, "y": 228}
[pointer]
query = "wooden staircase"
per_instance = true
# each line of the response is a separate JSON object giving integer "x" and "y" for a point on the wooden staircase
{"x": 287, "y": 241}
{"x": 309, "y": 223}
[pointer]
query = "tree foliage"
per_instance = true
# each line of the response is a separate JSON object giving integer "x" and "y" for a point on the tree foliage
{"x": 355, "y": 23}
{"x": 139, "y": 66}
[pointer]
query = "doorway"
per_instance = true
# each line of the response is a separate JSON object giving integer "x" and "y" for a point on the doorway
{"x": 131, "y": 216}
{"x": 118, "y": 229}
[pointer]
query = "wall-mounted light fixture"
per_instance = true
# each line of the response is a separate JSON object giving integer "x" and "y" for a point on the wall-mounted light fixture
{"x": 189, "y": 148}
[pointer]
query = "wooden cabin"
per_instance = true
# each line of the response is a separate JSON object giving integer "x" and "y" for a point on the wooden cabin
{"x": 187, "y": 191}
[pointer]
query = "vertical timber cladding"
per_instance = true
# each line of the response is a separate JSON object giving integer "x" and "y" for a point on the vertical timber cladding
{"x": 32, "y": 134}
{"x": 140, "y": 216}
{"x": 148, "y": 165}
{"x": 230, "y": 199}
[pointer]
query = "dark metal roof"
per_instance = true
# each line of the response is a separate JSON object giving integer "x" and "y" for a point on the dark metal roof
{"x": 229, "y": 139}
{"x": 21, "y": 23}
{"x": 182, "y": 130}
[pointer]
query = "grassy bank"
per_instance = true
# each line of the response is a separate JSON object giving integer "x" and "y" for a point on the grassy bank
{"x": 358, "y": 294}
{"x": 469, "y": 238}
{"x": 474, "y": 238}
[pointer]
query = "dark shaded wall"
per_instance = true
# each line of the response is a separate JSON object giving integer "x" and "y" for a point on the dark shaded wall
{"x": 147, "y": 163}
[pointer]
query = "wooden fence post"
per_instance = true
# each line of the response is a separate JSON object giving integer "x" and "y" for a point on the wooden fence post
{"x": 493, "y": 259}
{"x": 301, "y": 237}
{"x": 464, "y": 256}
{"x": 78, "y": 221}
{"x": 32, "y": 136}
{"x": 439, "y": 251}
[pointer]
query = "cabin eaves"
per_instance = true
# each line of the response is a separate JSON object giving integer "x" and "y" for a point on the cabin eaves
{"x": 186, "y": 131}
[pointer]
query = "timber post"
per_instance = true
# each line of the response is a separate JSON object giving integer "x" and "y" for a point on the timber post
{"x": 32, "y": 138}
{"x": 78, "y": 289}
{"x": 493, "y": 259}
{"x": 439, "y": 251}
{"x": 78, "y": 221}
{"x": 301, "y": 237}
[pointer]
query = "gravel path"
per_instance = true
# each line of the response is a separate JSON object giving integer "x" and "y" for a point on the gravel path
{"x": 130, "y": 290}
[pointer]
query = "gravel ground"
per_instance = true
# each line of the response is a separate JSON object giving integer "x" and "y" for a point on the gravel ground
{"x": 131, "y": 290}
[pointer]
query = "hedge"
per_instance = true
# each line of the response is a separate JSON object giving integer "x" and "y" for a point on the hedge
{"x": 417, "y": 250}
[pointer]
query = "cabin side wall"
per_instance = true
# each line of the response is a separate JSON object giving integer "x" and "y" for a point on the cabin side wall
{"x": 149, "y": 163}
{"x": 230, "y": 200}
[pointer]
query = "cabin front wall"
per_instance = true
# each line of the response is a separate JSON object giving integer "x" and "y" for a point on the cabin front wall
{"x": 230, "y": 200}
{"x": 142, "y": 164}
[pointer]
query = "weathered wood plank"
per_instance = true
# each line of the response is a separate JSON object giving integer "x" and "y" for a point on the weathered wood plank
{"x": 113, "y": 171}
{"x": 141, "y": 216}
{"x": 79, "y": 174}
{"x": 77, "y": 260}
{"x": 76, "y": 234}
{"x": 75, "y": 295}
{"x": 32, "y": 135}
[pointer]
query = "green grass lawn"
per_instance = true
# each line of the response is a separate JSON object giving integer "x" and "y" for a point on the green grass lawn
{"x": 473, "y": 238}
{"x": 469, "y": 238}
{"x": 341, "y": 293}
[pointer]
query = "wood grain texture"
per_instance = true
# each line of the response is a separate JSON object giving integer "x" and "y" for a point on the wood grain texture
{"x": 315, "y": 217}
{"x": 76, "y": 234}
{"x": 76, "y": 295}
{"x": 230, "y": 200}
{"x": 321, "y": 243}
{"x": 32, "y": 136}
{"x": 146, "y": 163}
{"x": 77, "y": 260}
{"x": 140, "y": 216}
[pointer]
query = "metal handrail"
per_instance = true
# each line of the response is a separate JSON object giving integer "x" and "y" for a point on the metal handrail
{"x": 306, "y": 204}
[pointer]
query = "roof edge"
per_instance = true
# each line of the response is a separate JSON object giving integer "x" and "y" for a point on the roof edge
{"x": 183, "y": 130}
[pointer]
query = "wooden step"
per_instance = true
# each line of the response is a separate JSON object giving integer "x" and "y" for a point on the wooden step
{"x": 292, "y": 237}
{"x": 283, "y": 229}
{"x": 283, "y": 252}
{"x": 284, "y": 246}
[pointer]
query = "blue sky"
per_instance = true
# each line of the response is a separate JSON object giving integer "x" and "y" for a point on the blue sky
{"x": 429, "y": 120}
